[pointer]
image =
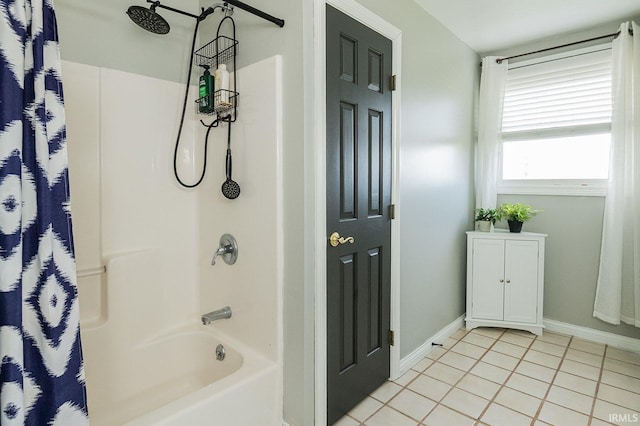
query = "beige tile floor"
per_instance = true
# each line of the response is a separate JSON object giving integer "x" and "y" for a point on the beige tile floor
{"x": 497, "y": 377}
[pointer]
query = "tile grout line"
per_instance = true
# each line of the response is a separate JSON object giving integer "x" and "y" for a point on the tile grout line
{"x": 468, "y": 372}
{"x": 546, "y": 395}
{"x": 406, "y": 387}
{"x": 467, "y": 332}
{"x": 422, "y": 372}
{"x": 497, "y": 338}
{"x": 437, "y": 403}
{"x": 504, "y": 383}
{"x": 621, "y": 374}
{"x": 567, "y": 347}
{"x": 403, "y": 387}
{"x": 582, "y": 377}
{"x": 492, "y": 400}
{"x": 603, "y": 369}
{"x": 595, "y": 395}
{"x": 386, "y": 404}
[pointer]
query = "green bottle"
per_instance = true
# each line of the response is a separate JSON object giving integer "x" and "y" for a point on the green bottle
{"x": 205, "y": 104}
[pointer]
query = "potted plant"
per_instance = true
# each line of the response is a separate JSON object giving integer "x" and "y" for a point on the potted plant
{"x": 516, "y": 214}
{"x": 486, "y": 218}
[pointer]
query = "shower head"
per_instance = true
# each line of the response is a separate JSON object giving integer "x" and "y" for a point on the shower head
{"x": 149, "y": 19}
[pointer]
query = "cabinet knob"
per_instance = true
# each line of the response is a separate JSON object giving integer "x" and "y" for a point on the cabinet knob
{"x": 501, "y": 281}
{"x": 508, "y": 281}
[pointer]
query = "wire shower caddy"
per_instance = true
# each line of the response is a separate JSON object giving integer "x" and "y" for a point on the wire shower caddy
{"x": 221, "y": 50}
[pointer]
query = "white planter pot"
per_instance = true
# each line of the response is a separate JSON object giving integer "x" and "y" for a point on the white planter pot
{"x": 484, "y": 225}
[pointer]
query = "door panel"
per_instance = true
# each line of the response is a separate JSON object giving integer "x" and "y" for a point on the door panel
{"x": 348, "y": 161}
{"x": 375, "y": 71}
{"x": 374, "y": 299}
{"x": 358, "y": 199}
{"x": 521, "y": 287}
{"x": 348, "y": 59}
{"x": 348, "y": 309}
{"x": 488, "y": 271}
{"x": 376, "y": 156}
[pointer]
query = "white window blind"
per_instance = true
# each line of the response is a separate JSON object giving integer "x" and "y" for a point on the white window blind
{"x": 556, "y": 126}
{"x": 559, "y": 94}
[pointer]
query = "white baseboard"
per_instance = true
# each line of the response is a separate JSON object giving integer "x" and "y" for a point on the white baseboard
{"x": 414, "y": 357}
{"x": 615, "y": 340}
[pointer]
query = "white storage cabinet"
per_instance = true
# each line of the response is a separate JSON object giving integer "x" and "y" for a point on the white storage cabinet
{"x": 505, "y": 280}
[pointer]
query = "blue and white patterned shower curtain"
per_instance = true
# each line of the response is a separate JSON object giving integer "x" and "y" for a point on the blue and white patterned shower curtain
{"x": 41, "y": 369}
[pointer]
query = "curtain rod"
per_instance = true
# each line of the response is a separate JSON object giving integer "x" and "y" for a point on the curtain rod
{"x": 614, "y": 35}
{"x": 279, "y": 22}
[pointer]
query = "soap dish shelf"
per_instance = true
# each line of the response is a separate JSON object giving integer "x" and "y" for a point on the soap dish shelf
{"x": 221, "y": 50}
{"x": 223, "y": 101}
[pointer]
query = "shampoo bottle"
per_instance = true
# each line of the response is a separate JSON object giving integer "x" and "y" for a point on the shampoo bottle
{"x": 205, "y": 104}
{"x": 222, "y": 86}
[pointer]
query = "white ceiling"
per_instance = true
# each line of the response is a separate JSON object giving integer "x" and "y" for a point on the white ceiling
{"x": 493, "y": 25}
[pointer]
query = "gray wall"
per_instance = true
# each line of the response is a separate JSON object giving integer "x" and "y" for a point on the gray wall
{"x": 574, "y": 226}
{"x": 439, "y": 75}
{"x": 100, "y": 33}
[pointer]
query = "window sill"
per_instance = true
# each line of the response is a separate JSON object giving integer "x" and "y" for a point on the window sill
{"x": 567, "y": 188}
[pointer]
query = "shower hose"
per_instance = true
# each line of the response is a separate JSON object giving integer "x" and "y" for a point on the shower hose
{"x": 184, "y": 109}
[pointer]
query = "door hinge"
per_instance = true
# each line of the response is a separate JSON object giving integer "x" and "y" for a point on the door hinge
{"x": 391, "y": 338}
{"x": 393, "y": 82}
{"x": 392, "y": 211}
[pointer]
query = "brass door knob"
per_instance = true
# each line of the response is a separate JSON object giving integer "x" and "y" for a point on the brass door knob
{"x": 335, "y": 240}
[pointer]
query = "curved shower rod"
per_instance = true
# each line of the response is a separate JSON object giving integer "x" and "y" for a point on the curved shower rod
{"x": 225, "y": 6}
{"x": 279, "y": 22}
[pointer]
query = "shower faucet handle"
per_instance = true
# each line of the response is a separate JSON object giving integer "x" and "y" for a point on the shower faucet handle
{"x": 228, "y": 249}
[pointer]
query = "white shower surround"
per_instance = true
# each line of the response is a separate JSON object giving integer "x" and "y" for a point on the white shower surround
{"x": 156, "y": 239}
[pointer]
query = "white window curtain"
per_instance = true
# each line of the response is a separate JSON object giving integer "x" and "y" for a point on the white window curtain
{"x": 492, "y": 85}
{"x": 618, "y": 288}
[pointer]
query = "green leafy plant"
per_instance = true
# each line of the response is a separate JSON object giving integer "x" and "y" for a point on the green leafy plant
{"x": 517, "y": 211}
{"x": 490, "y": 215}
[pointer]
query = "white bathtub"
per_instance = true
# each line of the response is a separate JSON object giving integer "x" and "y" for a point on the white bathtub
{"x": 176, "y": 380}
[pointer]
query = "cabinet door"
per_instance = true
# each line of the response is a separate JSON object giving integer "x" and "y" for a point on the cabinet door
{"x": 521, "y": 281}
{"x": 488, "y": 271}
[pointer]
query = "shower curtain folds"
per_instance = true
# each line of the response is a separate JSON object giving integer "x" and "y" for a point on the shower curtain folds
{"x": 618, "y": 287}
{"x": 41, "y": 369}
{"x": 492, "y": 87}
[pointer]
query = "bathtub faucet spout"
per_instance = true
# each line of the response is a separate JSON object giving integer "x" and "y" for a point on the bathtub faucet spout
{"x": 223, "y": 313}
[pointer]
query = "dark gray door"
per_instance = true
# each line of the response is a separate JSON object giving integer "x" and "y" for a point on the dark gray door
{"x": 358, "y": 199}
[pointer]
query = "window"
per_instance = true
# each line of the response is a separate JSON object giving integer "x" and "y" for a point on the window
{"x": 556, "y": 127}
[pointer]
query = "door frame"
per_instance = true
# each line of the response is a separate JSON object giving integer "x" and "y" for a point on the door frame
{"x": 365, "y": 16}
